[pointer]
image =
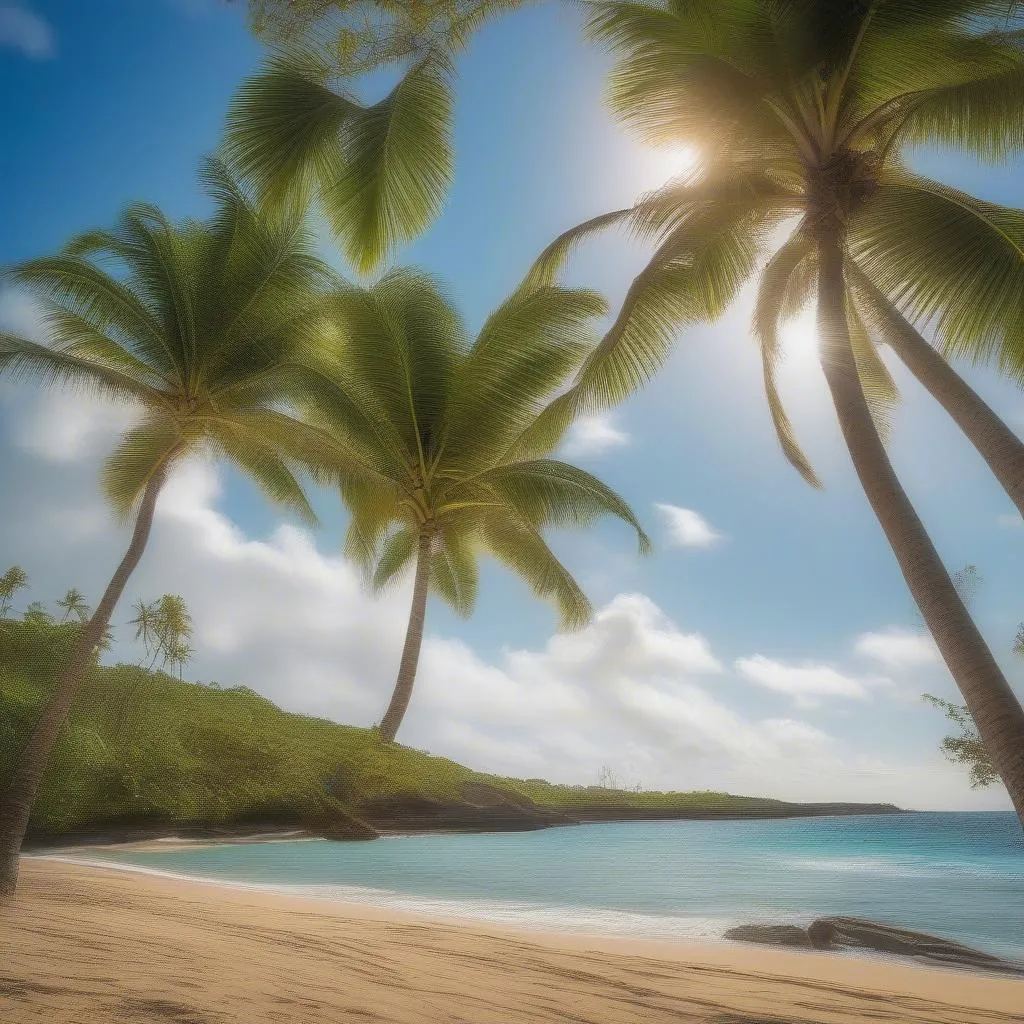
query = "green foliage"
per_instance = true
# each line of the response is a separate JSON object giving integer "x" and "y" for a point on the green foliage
{"x": 379, "y": 172}
{"x": 74, "y": 603}
{"x": 364, "y": 35}
{"x": 800, "y": 110}
{"x": 437, "y": 421}
{"x": 965, "y": 748}
{"x": 37, "y": 614}
{"x": 201, "y": 756}
{"x": 195, "y": 325}
{"x": 165, "y": 628}
{"x": 11, "y": 582}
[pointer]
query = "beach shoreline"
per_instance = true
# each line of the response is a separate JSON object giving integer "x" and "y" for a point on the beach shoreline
{"x": 86, "y": 939}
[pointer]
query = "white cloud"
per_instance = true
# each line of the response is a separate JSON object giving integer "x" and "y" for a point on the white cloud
{"x": 898, "y": 648}
{"x": 686, "y": 528}
{"x": 1010, "y": 521}
{"x": 594, "y": 435}
{"x": 24, "y": 30}
{"x": 806, "y": 683}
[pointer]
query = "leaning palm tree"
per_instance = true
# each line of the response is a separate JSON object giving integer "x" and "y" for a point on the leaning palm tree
{"x": 800, "y": 109}
{"x": 194, "y": 325}
{"x": 438, "y": 419}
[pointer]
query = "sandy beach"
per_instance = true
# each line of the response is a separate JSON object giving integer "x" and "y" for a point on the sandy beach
{"x": 82, "y": 945}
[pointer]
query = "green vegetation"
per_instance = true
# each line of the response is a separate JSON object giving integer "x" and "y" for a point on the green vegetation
{"x": 965, "y": 748}
{"x": 441, "y": 420}
{"x": 199, "y": 326}
{"x": 142, "y": 749}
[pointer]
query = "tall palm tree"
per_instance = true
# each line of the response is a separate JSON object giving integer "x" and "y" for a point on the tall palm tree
{"x": 800, "y": 109}
{"x": 195, "y": 325}
{"x": 379, "y": 172}
{"x": 74, "y": 603}
{"x": 11, "y": 582}
{"x": 439, "y": 418}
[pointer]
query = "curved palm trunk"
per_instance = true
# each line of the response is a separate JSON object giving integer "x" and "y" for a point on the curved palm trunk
{"x": 996, "y": 710}
{"x": 413, "y": 641}
{"x": 997, "y": 444}
{"x": 17, "y": 802}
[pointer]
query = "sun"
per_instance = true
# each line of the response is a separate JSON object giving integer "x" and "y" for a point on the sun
{"x": 660, "y": 166}
{"x": 799, "y": 338}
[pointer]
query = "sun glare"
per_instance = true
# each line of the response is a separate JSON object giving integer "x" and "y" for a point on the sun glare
{"x": 799, "y": 338}
{"x": 660, "y": 166}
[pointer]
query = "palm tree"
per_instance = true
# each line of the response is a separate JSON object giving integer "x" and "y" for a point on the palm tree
{"x": 73, "y": 603}
{"x": 800, "y": 109}
{"x": 11, "y": 582}
{"x": 439, "y": 419}
{"x": 379, "y": 172}
{"x": 145, "y": 623}
{"x": 196, "y": 326}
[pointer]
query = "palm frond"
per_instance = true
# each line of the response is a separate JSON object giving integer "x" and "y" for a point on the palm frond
{"x": 949, "y": 259}
{"x": 454, "y": 576}
{"x": 523, "y": 355}
{"x": 880, "y": 390}
{"x": 155, "y": 444}
{"x": 397, "y": 166}
{"x": 283, "y": 128}
{"x": 399, "y": 551}
{"x": 520, "y": 546}
{"x": 770, "y": 309}
{"x": 547, "y": 492}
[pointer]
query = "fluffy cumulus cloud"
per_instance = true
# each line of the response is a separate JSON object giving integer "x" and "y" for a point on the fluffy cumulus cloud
{"x": 898, "y": 649}
{"x": 21, "y": 28}
{"x": 807, "y": 684}
{"x": 634, "y": 690}
{"x": 685, "y": 528}
{"x": 594, "y": 435}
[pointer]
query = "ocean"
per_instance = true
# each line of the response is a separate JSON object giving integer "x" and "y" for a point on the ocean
{"x": 956, "y": 875}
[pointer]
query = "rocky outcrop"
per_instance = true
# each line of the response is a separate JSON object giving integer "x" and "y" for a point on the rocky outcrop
{"x": 855, "y": 933}
{"x": 851, "y": 933}
{"x": 770, "y": 934}
{"x": 478, "y": 807}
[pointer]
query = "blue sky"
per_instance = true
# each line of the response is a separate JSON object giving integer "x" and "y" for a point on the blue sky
{"x": 116, "y": 100}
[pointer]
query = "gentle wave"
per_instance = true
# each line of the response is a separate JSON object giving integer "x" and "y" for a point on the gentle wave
{"x": 895, "y": 868}
{"x": 575, "y": 920}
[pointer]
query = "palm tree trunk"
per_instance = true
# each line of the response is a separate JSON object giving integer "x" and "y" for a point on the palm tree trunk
{"x": 997, "y": 444}
{"x": 413, "y": 641}
{"x": 17, "y": 802}
{"x": 996, "y": 709}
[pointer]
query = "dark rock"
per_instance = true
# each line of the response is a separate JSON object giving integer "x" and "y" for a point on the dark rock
{"x": 840, "y": 933}
{"x": 483, "y": 809}
{"x": 770, "y": 934}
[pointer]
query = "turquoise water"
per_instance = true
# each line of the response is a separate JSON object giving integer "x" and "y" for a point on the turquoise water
{"x": 958, "y": 875}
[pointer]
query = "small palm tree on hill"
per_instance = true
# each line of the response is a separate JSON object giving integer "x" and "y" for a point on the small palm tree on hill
{"x": 11, "y": 582}
{"x": 196, "y": 325}
{"x": 74, "y": 603}
{"x": 439, "y": 420}
{"x": 800, "y": 109}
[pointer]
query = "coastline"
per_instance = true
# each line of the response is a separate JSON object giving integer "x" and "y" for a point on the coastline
{"x": 130, "y": 835}
{"x": 91, "y": 944}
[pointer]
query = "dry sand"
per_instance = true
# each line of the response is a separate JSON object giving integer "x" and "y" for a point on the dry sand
{"x": 83, "y": 945}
